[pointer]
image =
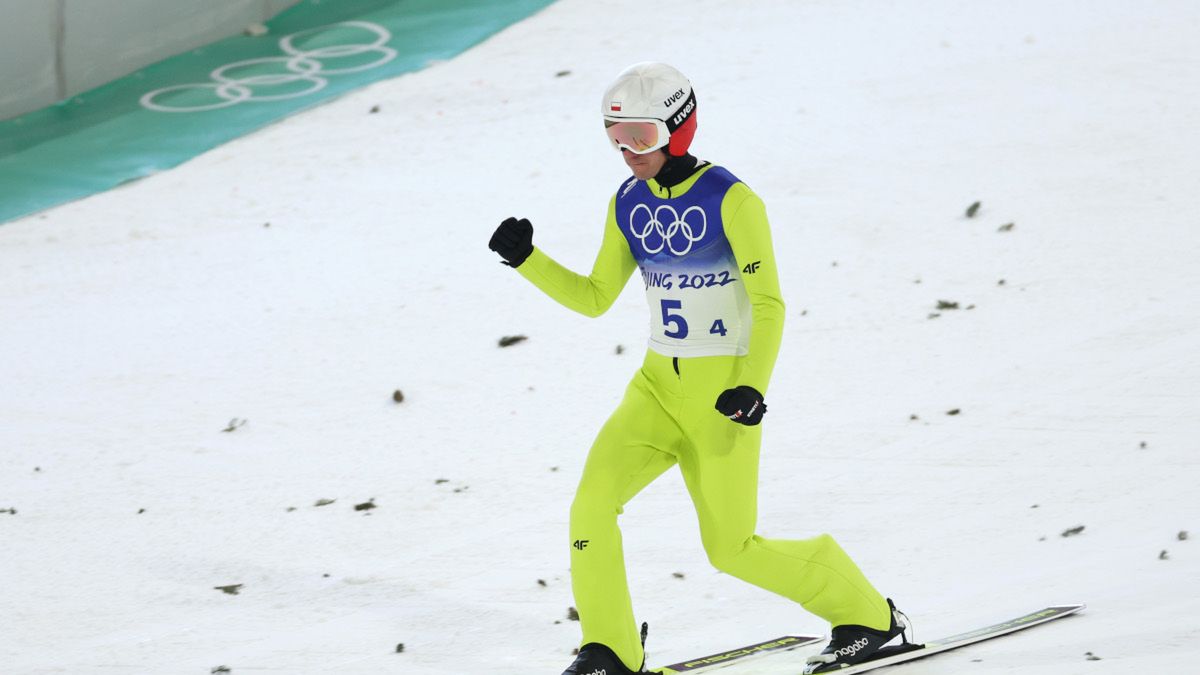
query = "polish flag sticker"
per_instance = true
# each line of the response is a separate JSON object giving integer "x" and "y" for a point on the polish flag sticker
{"x": 615, "y": 106}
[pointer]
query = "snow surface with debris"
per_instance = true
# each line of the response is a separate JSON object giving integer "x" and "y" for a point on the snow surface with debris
{"x": 285, "y": 285}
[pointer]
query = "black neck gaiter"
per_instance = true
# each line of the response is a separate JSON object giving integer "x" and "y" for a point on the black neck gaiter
{"x": 677, "y": 169}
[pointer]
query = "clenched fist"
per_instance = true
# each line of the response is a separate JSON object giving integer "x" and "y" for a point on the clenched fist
{"x": 742, "y": 404}
{"x": 513, "y": 240}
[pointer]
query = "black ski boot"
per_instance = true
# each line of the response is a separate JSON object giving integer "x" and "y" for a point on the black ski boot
{"x": 852, "y": 644}
{"x": 597, "y": 659}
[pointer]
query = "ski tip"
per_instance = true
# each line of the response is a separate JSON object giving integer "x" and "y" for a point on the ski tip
{"x": 1071, "y": 608}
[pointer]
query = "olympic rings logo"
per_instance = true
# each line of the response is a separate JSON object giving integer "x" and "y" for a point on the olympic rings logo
{"x": 232, "y": 86}
{"x": 655, "y": 235}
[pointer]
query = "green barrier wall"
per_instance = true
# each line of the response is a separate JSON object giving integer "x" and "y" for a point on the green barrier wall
{"x": 169, "y": 112}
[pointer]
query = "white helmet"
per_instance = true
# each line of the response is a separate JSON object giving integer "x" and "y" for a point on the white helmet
{"x": 649, "y": 106}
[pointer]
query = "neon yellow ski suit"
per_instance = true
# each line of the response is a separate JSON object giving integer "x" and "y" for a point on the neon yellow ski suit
{"x": 667, "y": 416}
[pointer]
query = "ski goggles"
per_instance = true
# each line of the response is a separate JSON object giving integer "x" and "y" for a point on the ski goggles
{"x": 639, "y": 136}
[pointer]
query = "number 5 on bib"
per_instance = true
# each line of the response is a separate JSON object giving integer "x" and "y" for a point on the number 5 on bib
{"x": 669, "y": 319}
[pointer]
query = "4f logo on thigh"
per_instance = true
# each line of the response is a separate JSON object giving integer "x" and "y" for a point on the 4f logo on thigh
{"x": 581, "y": 544}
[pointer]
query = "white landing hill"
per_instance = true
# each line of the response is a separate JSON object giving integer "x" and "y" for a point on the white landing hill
{"x": 190, "y": 363}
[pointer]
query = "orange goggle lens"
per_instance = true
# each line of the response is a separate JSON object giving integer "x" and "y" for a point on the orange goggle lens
{"x": 639, "y": 137}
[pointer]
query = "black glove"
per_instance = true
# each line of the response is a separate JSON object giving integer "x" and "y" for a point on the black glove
{"x": 513, "y": 240}
{"x": 742, "y": 404}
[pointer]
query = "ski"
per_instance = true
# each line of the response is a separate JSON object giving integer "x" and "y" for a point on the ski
{"x": 889, "y": 656}
{"x": 738, "y": 655}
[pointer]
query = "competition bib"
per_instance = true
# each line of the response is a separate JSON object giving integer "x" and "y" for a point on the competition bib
{"x": 698, "y": 305}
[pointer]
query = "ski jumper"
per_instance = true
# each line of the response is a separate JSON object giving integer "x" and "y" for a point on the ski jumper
{"x": 716, "y": 321}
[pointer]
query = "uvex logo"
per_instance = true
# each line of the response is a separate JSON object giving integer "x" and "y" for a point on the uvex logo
{"x": 683, "y": 114}
{"x": 852, "y": 649}
{"x": 599, "y": 671}
{"x": 672, "y": 98}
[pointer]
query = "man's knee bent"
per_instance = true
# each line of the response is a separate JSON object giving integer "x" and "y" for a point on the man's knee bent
{"x": 590, "y": 507}
{"x": 724, "y": 555}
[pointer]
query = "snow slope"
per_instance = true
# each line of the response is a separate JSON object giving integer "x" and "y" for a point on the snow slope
{"x": 138, "y": 323}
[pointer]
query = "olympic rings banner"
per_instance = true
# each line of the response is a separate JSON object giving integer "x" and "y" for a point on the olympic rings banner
{"x": 169, "y": 112}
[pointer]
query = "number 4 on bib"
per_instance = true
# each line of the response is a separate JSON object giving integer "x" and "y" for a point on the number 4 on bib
{"x": 718, "y": 328}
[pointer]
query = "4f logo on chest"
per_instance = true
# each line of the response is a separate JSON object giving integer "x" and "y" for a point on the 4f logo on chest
{"x": 751, "y": 268}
